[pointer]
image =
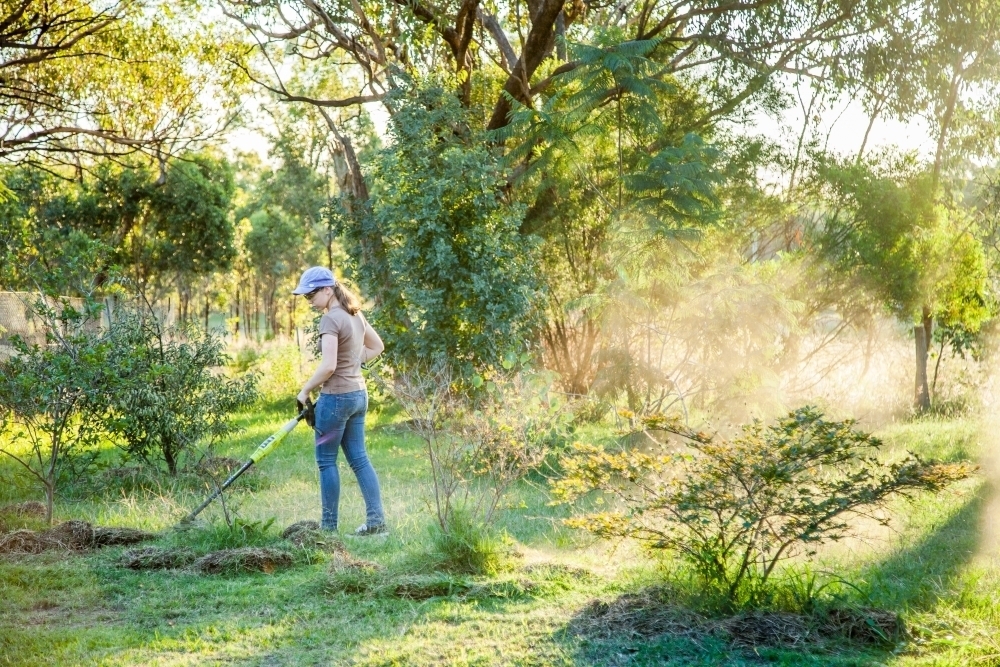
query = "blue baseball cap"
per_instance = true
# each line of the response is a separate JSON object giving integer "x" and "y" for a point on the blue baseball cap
{"x": 313, "y": 278}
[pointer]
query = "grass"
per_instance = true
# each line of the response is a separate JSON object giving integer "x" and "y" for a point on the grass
{"x": 932, "y": 568}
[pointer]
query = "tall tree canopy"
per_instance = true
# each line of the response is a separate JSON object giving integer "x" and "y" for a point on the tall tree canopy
{"x": 83, "y": 79}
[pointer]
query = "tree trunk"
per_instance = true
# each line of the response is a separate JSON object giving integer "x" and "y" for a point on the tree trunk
{"x": 922, "y": 333}
{"x": 50, "y": 493}
{"x": 168, "y": 456}
{"x": 536, "y": 47}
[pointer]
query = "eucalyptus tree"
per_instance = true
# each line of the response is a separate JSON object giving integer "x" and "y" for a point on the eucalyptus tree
{"x": 509, "y": 54}
{"x": 939, "y": 62}
{"x": 738, "y": 45}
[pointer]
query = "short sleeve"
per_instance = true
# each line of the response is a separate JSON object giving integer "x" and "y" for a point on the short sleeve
{"x": 327, "y": 325}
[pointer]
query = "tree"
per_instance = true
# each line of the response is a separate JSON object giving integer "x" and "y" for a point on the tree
{"x": 50, "y": 396}
{"x": 889, "y": 235}
{"x": 742, "y": 45}
{"x": 613, "y": 181}
{"x": 167, "y": 235}
{"x": 729, "y": 53}
{"x": 188, "y": 233}
{"x": 286, "y": 208}
{"x": 162, "y": 397}
{"x": 466, "y": 293}
{"x": 277, "y": 248}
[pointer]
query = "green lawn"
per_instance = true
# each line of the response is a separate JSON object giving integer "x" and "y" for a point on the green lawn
{"x": 933, "y": 567}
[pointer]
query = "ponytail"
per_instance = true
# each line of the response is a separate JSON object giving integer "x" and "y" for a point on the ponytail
{"x": 347, "y": 300}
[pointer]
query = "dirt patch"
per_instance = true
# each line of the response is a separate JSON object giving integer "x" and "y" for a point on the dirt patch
{"x": 157, "y": 558}
{"x": 31, "y": 508}
{"x": 246, "y": 559}
{"x": 113, "y": 537}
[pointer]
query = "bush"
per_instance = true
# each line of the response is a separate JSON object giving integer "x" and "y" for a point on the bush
{"x": 736, "y": 509}
{"x": 478, "y": 446}
{"x": 165, "y": 397}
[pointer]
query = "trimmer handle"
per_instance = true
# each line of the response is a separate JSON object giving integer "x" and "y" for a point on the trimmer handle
{"x": 307, "y": 412}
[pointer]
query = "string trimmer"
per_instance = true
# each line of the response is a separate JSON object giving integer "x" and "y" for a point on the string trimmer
{"x": 265, "y": 448}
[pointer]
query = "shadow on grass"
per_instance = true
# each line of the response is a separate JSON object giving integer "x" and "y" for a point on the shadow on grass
{"x": 918, "y": 575}
{"x": 649, "y": 626}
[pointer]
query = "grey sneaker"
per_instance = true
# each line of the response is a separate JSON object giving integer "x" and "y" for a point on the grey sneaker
{"x": 377, "y": 529}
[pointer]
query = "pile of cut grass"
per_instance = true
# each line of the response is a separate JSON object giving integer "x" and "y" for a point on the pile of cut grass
{"x": 74, "y": 535}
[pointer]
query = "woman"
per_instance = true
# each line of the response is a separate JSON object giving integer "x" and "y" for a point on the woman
{"x": 346, "y": 342}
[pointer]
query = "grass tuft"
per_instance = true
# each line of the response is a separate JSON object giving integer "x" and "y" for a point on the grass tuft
{"x": 469, "y": 547}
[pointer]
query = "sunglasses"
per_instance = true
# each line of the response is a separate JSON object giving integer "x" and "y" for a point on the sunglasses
{"x": 310, "y": 295}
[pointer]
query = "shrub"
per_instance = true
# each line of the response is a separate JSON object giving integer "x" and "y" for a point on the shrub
{"x": 165, "y": 398}
{"x": 736, "y": 509}
{"x": 478, "y": 446}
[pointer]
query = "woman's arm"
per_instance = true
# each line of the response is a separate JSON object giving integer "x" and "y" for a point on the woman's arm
{"x": 373, "y": 344}
{"x": 327, "y": 366}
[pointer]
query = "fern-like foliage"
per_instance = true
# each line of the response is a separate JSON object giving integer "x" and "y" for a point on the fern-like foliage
{"x": 604, "y": 123}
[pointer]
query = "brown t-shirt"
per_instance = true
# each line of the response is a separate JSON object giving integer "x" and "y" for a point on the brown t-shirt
{"x": 350, "y": 332}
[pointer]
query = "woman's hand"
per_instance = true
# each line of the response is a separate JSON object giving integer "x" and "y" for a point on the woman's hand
{"x": 302, "y": 397}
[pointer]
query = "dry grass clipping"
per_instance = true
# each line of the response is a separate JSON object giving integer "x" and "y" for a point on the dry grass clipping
{"x": 298, "y": 527}
{"x": 865, "y": 626}
{"x": 113, "y": 537}
{"x": 70, "y": 535}
{"x": 307, "y": 535}
{"x": 157, "y": 558}
{"x": 636, "y": 616}
{"x": 24, "y": 542}
{"x": 770, "y": 629}
{"x": 245, "y": 559}
{"x": 649, "y": 614}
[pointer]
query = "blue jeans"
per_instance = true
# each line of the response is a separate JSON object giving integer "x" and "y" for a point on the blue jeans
{"x": 340, "y": 422}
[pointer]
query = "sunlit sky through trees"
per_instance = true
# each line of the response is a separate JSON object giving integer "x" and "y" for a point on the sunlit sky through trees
{"x": 844, "y": 123}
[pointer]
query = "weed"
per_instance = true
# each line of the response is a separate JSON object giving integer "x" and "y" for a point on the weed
{"x": 469, "y": 547}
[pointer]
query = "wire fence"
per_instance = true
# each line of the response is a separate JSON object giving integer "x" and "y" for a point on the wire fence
{"x": 18, "y": 317}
